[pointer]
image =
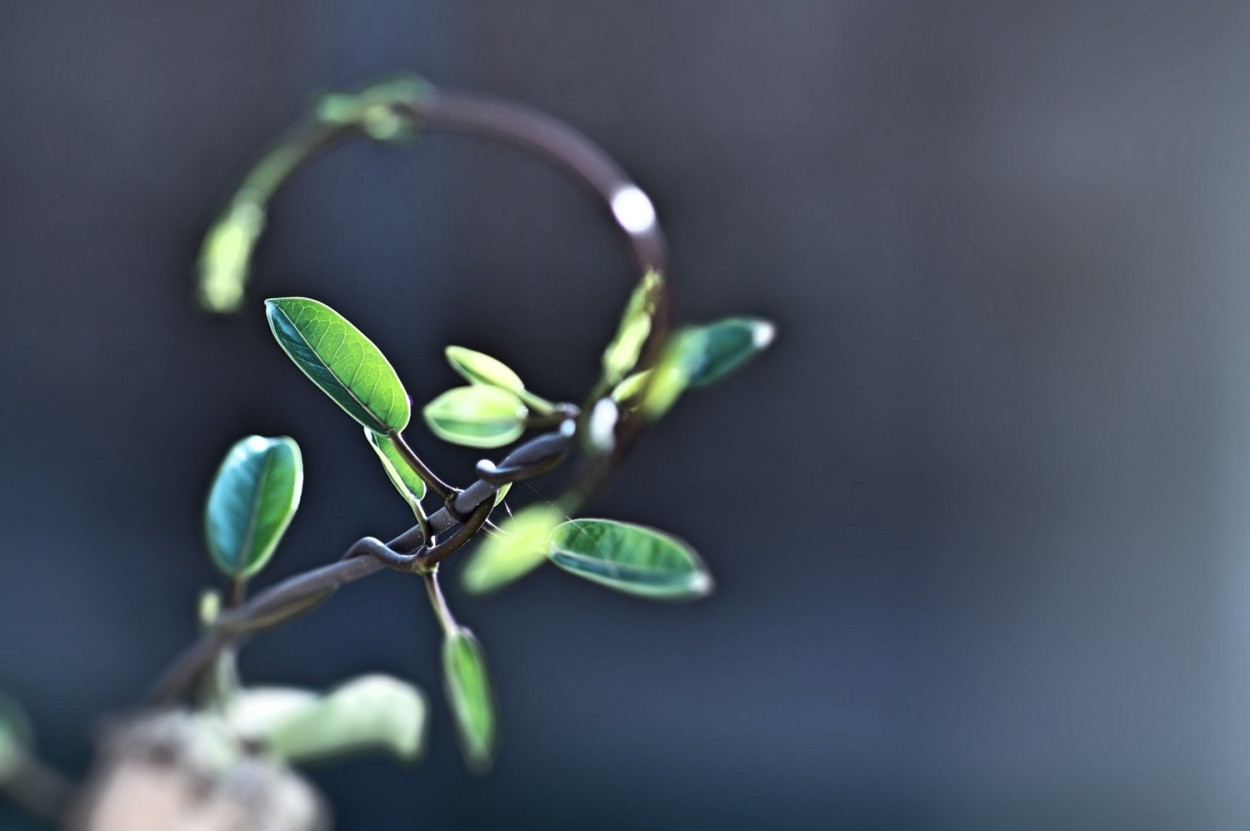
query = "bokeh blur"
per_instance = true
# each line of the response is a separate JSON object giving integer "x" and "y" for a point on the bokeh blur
{"x": 977, "y": 519}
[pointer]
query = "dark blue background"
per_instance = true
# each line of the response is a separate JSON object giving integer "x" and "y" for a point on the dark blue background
{"x": 977, "y": 520}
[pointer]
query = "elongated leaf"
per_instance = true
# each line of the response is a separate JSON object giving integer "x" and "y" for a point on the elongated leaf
{"x": 626, "y": 392}
{"x": 253, "y": 498}
{"x": 477, "y": 416}
{"x": 626, "y": 347}
{"x": 373, "y": 712}
{"x": 630, "y": 558}
{"x": 404, "y": 478}
{"x": 722, "y": 347}
{"x": 522, "y": 547}
{"x": 470, "y": 696}
{"x": 480, "y": 368}
{"x": 340, "y": 360}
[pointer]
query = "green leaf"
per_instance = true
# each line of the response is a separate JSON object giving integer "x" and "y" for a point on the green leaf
{"x": 477, "y": 416}
{"x": 15, "y": 738}
{"x": 626, "y": 347}
{"x": 410, "y": 486}
{"x": 479, "y": 368}
{"x": 253, "y": 498}
{"x": 630, "y": 558}
{"x": 628, "y": 390}
{"x": 343, "y": 362}
{"x": 499, "y": 559}
{"x": 373, "y": 712}
{"x": 226, "y": 254}
{"x": 722, "y": 347}
{"x": 470, "y": 696}
{"x": 671, "y": 375}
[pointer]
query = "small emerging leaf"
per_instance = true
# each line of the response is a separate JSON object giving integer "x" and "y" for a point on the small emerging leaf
{"x": 373, "y": 712}
{"x": 522, "y": 547}
{"x": 626, "y": 347}
{"x": 480, "y": 368}
{"x": 253, "y": 498}
{"x": 226, "y": 253}
{"x": 477, "y": 416}
{"x": 625, "y": 392}
{"x": 410, "y": 486}
{"x": 470, "y": 697}
{"x": 630, "y": 558}
{"x": 339, "y": 359}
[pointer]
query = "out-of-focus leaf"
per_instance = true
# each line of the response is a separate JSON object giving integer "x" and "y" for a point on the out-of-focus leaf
{"x": 210, "y": 607}
{"x": 480, "y": 368}
{"x": 373, "y": 712}
{"x": 404, "y": 478}
{"x": 226, "y": 254}
{"x": 501, "y": 558}
{"x": 339, "y": 359}
{"x": 15, "y": 737}
{"x": 626, "y": 347}
{"x": 471, "y": 698}
{"x": 477, "y": 416}
{"x": 628, "y": 390}
{"x": 253, "y": 498}
{"x": 630, "y": 558}
{"x": 700, "y": 355}
{"x": 722, "y": 347}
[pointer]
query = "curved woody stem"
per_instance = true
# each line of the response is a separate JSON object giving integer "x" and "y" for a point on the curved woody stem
{"x": 634, "y": 219}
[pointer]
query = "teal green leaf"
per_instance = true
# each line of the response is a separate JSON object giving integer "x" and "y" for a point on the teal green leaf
{"x": 470, "y": 696}
{"x": 722, "y": 347}
{"x": 479, "y": 368}
{"x": 626, "y": 347}
{"x": 345, "y": 364}
{"x": 520, "y": 548}
{"x": 15, "y": 738}
{"x": 477, "y": 416}
{"x": 370, "y": 713}
{"x": 630, "y": 558}
{"x": 253, "y": 498}
{"x": 410, "y": 486}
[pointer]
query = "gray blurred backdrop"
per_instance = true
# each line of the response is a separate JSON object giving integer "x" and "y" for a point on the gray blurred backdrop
{"x": 977, "y": 520}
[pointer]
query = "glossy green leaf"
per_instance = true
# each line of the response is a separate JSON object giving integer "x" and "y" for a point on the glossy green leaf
{"x": 520, "y": 548}
{"x": 15, "y": 737}
{"x": 502, "y": 493}
{"x": 630, "y": 558}
{"x": 373, "y": 712}
{"x": 410, "y": 486}
{"x": 345, "y": 364}
{"x": 253, "y": 498}
{"x": 626, "y": 347}
{"x": 477, "y": 416}
{"x": 470, "y": 697}
{"x": 479, "y": 368}
{"x": 722, "y": 347}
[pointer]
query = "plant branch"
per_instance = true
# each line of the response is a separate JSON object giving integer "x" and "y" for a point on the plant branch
{"x": 406, "y": 552}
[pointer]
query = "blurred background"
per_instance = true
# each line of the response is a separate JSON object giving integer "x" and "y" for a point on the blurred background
{"x": 977, "y": 519}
